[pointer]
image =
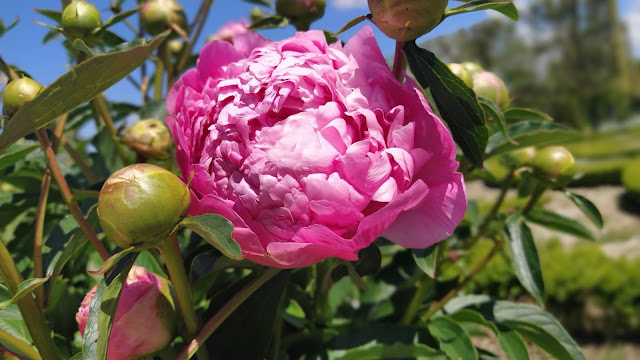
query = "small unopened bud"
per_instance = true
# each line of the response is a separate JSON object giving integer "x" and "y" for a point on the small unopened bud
{"x": 149, "y": 138}
{"x": 256, "y": 14}
{"x": 18, "y": 92}
{"x": 406, "y": 20}
{"x": 159, "y": 15}
{"x": 301, "y": 12}
{"x": 519, "y": 157}
{"x": 491, "y": 87}
{"x": 141, "y": 203}
{"x": 461, "y": 72}
{"x": 554, "y": 162}
{"x": 145, "y": 320}
{"x": 80, "y": 19}
{"x": 472, "y": 67}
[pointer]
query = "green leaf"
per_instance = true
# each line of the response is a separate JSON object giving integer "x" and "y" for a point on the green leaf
{"x": 260, "y": 2}
{"x": 512, "y": 345}
{"x": 90, "y": 339}
{"x": 526, "y": 114}
{"x": 4, "y": 29}
{"x": 587, "y": 207}
{"x": 455, "y": 101}
{"x": 524, "y": 256}
{"x": 113, "y": 260}
{"x": 51, "y": 35}
{"x": 353, "y": 22}
{"x": 493, "y": 111}
{"x": 471, "y": 316}
{"x": 109, "y": 304}
{"x": 505, "y": 7}
{"x": 539, "y": 327}
{"x": 453, "y": 339}
{"x": 81, "y": 84}
{"x": 51, "y": 14}
{"x": 374, "y": 350}
{"x": 560, "y": 223}
{"x": 15, "y": 154}
{"x": 216, "y": 230}
{"x": 154, "y": 109}
{"x": 530, "y": 133}
{"x": 27, "y": 286}
{"x": 111, "y": 39}
{"x": 270, "y": 22}
{"x": 118, "y": 17}
{"x": 426, "y": 259}
{"x": 84, "y": 48}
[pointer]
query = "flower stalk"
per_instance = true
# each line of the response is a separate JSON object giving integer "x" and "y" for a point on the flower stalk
{"x": 20, "y": 346}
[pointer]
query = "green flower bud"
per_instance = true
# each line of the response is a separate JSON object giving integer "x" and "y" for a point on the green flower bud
{"x": 175, "y": 46}
{"x": 461, "y": 72}
{"x": 18, "y": 92}
{"x": 406, "y": 20}
{"x": 256, "y": 14}
{"x": 79, "y": 19}
{"x": 158, "y": 15}
{"x": 141, "y": 203}
{"x": 301, "y": 12}
{"x": 554, "y": 162}
{"x": 149, "y": 138}
{"x": 519, "y": 157}
{"x": 472, "y": 67}
{"x": 491, "y": 87}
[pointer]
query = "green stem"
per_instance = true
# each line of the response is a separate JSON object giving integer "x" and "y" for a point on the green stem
{"x": 101, "y": 105}
{"x": 486, "y": 222}
{"x": 32, "y": 314}
{"x": 226, "y": 310}
{"x": 84, "y": 167}
{"x": 399, "y": 62}
{"x": 170, "y": 250}
{"x": 533, "y": 200}
{"x": 23, "y": 349}
{"x": 204, "y": 10}
{"x": 157, "y": 80}
{"x": 416, "y": 300}
{"x": 479, "y": 266}
{"x": 38, "y": 241}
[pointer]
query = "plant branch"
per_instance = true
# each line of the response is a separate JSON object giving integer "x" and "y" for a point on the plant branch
{"x": 226, "y": 310}
{"x": 204, "y": 11}
{"x": 399, "y": 62}
{"x": 32, "y": 315}
{"x": 74, "y": 209}
{"x": 416, "y": 300}
{"x": 101, "y": 106}
{"x": 23, "y": 349}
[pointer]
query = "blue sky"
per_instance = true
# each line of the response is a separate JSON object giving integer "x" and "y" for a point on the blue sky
{"x": 23, "y": 44}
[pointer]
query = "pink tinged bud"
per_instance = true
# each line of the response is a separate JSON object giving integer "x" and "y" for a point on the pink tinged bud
{"x": 145, "y": 320}
{"x": 461, "y": 72}
{"x": 406, "y": 20}
{"x": 149, "y": 138}
{"x": 489, "y": 86}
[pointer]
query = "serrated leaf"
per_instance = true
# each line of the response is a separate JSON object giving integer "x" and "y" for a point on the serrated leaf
{"x": 453, "y": 339}
{"x": 512, "y": 345}
{"x": 270, "y": 22}
{"x": 27, "y": 286}
{"x": 526, "y": 114}
{"x": 492, "y": 110}
{"x": 524, "y": 256}
{"x": 216, "y": 230}
{"x": 51, "y": 14}
{"x": 81, "y": 84}
{"x": 426, "y": 259}
{"x": 530, "y": 133}
{"x": 539, "y": 327}
{"x": 455, "y": 101}
{"x": 353, "y": 22}
{"x": 16, "y": 154}
{"x": 559, "y": 222}
{"x": 504, "y": 7}
{"x": 587, "y": 208}
{"x": 109, "y": 305}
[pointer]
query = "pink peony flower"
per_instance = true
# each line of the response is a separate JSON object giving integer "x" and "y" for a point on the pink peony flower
{"x": 230, "y": 31}
{"x": 313, "y": 150}
{"x": 145, "y": 318}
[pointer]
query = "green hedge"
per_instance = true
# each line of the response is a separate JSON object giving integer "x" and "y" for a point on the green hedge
{"x": 591, "y": 293}
{"x": 631, "y": 179}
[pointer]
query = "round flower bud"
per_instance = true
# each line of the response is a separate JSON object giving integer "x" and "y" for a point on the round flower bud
{"x": 141, "y": 203}
{"x": 491, "y": 87}
{"x": 175, "y": 46}
{"x": 80, "y": 18}
{"x": 18, "y": 92}
{"x": 472, "y": 67}
{"x": 462, "y": 73}
{"x": 301, "y": 12}
{"x": 145, "y": 320}
{"x": 406, "y": 20}
{"x": 256, "y": 14}
{"x": 158, "y": 15}
{"x": 149, "y": 138}
{"x": 554, "y": 162}
{"x": 519, "y": 157}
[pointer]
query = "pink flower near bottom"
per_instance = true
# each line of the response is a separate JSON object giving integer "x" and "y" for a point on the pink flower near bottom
{"x": 313, "y": 150}
{"x": 145, "y": 317}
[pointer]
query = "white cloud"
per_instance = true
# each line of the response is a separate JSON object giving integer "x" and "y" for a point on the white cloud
{"x": 349, "y": 4}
